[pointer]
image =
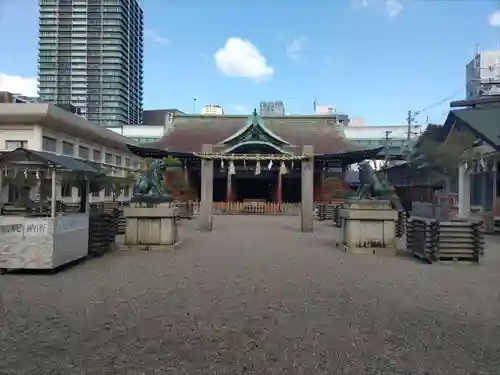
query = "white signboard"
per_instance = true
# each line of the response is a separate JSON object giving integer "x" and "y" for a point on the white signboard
{"x": 28, "y": 228}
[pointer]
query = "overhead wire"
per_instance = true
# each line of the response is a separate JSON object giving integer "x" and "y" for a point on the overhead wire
{"x": 438, "y": 103}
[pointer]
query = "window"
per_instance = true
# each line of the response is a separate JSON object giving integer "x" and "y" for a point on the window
{"x": 68, "y": 148}
{"x": 83, "y": 152}
{"x": 118, "y": 160}
{"x": 49, "y": 144}
{"x": 108, "y": 192}
{"x": 12, "y": 145}
{"x": 108, "y": 158}
{"x": 67, "y": 189}
{"x": 127, "y": 162}
{"x": 126, "y": 191}
{"x": 97, "y": 156}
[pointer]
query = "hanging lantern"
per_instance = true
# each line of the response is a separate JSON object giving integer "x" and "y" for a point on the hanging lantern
{"x": 221, "y": 163}
{"x": 231, "y": 170}
{"x": 5, "y": 171}
{"x": 283, "y": 168}
{"x": 25, "y": 173}
{"x": 270, "y": 165}
{"x": 245, "y": 165}
{"x": 37, "y": 174}
{"x": 257, "y": 168}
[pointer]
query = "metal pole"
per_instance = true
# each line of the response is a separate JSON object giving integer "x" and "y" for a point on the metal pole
{"x": 54, "y": 195}
{"x": 194, "y": 105}
{"x": 386, "y": 150}
{"x": 1, "y": 191}
{"x": 409, "y": 119}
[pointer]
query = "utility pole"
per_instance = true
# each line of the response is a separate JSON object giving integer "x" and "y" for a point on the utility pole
{"x": 409, "y": 120}
{"x": 387, "y": 143}
{"x": 194, "y": 105}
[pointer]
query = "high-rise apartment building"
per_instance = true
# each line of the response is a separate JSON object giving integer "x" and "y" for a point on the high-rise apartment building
{"x": 91, "y": 56}
{"x": 276, "y": 108}
{"x": 482, "y": 75}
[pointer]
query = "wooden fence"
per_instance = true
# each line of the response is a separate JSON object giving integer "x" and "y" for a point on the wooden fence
{"x": 249, "y": 208}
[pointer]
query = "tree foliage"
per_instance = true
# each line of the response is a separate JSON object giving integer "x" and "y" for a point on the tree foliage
{"x": 442, "y": 155}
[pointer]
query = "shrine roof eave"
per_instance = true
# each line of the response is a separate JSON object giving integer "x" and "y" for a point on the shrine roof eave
{"x": 155, "y": 153}
{"x": 351, "y": 156}
{"x": 347, "y": 157}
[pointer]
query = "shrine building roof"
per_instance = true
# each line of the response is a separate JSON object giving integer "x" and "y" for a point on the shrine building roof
{"x": 190, "y": 132}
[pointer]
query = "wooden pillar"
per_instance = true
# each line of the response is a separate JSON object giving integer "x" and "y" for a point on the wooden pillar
{"x": 229, "y": 187}
{"x": 494, "y": 175}
{"x": 307, "y": 191}
{"x": 279, "y": 188}
{"x": 1, "y": 190}
{"x": 463, "y": 192}
{"x": 207, "y": 190}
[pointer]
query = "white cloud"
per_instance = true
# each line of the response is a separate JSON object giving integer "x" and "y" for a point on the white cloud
{"x": 494, "y": 19}
{"x": 296, "y": 46}
{"x": 19, "y": 85}
{"x": 157, "y": 38}
{"x": 240, "y": 58}
{"x": 393, "y": 8}
{"x": 360, "y": 3}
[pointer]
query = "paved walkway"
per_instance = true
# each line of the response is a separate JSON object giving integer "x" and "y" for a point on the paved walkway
{"x": 255, "y": 296}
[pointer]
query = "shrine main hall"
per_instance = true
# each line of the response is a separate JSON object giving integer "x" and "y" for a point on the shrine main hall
{"x": 258, "y": 158}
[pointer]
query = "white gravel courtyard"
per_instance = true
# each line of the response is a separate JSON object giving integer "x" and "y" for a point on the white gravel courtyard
{"x": 255, "y": 296}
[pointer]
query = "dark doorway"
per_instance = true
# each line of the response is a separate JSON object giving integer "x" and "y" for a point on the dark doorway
{"x": 292, "y": 190}
{"x": 257, "y": 188}
{"x": 220, "y": 189}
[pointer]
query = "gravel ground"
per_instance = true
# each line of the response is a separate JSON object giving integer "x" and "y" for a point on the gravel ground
{"x": 253, "y": 297}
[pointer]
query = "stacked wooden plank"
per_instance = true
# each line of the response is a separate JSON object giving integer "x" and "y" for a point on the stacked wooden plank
{"x": 326, "y": 211}
{"x": 185, "y": 210}
{"x": 102, "y": 232}
{"x": 336, "y": 216}
{"x": 460, "y": 240}
{"x": 421, "y": 238}
{"x": 401, "y": 224}
{"x": 432, "y": 240}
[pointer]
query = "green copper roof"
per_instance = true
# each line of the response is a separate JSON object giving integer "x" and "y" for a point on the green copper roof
{"x": 255, "y": 130}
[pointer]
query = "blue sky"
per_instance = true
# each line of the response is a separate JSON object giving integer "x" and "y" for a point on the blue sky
{"x": 369, "y": 58}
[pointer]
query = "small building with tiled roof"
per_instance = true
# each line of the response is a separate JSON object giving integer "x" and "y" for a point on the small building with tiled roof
{"x": 244, "y": 142}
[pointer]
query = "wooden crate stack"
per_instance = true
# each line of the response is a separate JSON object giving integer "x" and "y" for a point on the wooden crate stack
{"x": 432, "y": 240}
{"x": 460, "y": 240}
{"x": 421, "y": 238}
{"x": 326, "y": 211}
{"x": 336, "y": 216}
{"x": 401, "y": 224}
{"x": 102, "y": 232}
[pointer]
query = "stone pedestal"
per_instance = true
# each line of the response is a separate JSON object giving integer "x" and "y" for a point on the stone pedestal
{"x": 150, "y": 228}
{"x": 369, "y": 227}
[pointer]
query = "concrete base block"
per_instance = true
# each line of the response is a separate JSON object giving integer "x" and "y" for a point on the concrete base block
{"x": 150, "y": 227}
{"x": 369, "y": 227}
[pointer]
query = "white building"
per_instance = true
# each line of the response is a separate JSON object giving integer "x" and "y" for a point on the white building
{"x": 44, "y": 127}
{"x": 324, "y": 109}
{"x": 141, "y": 133}
{"x": 212, "y": 109}
{"x": 374, "y": 133}
{"x": 482, "y": 75}
{"x": 357, "y": 121}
